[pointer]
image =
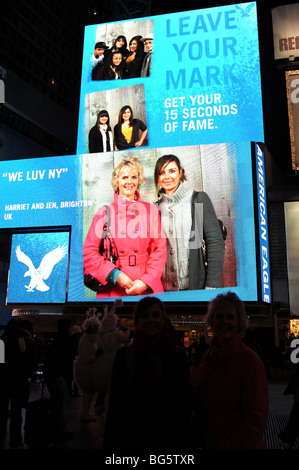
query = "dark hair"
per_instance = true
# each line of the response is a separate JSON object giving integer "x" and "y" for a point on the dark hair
{"x": 120, "y": 37}
{"x": 110, "y": 60}
{"x": 145, "y": 304}
{"x": 140, "y": 46}
{"x": 164, "y": 160}
{"x": 64, "y": 324}
{"x": 123, "y": 109}
{"x": 101, "y": 113}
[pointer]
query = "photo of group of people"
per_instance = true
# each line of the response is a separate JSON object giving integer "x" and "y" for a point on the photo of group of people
{"x": 122, "y": 59}
{"x": 115, "y": 112}
{"x": 162, "y": 205}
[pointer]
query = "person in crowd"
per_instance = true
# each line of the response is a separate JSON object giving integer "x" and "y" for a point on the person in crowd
{"x": 76, "y": 334}
{"x": 88, "y": 351}
{"x": 110, "y": 339}
{"x": 58, "y": 376}
{"x": 110, "y": 69}
{"x": 187, "y": 217}
{"x": 100, "y": 138}
{"x": 20, "y": 361}
{"x": 147, "y": 61}
{"x": 119, "y": 45}
{"x": 148, "y": 387}
{"x": 136, "y": 234}
{"x": 134, "y": 61}
{"x": 288, "y": 436}
{"x": 98, "y": 53}
{"x": 229, "y": 389}
{"x": 129, "y": 132}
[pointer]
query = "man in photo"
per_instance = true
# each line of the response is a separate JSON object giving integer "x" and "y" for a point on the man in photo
{"x": 98, "y": 53}
{"x": 146, "y": 66}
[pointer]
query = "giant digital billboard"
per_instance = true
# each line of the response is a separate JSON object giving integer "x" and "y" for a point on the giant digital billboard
{"x": 191, "y": 98}
{"x": 68, "y": 192}
{"x": 203, "y": 85}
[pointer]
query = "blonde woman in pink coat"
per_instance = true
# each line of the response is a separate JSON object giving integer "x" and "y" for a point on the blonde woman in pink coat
{"x": 137, "y": 235}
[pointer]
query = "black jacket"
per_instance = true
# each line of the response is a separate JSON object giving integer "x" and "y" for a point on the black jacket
{"x": 95, "y": 140}
{"x": 119, "y": 139}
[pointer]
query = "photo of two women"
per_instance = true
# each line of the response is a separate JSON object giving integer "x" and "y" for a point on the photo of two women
{"x": 115, "y": 120}
{"x": 162, "y": 205}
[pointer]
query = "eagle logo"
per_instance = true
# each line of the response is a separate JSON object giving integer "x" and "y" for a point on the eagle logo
{"x": 245, "y": 11}
{"x": 43, "y": 272}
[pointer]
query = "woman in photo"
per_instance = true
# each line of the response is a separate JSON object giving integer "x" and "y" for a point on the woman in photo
{"x": 187, "y": 218}
{"x": 137, "y": 235}
{"x": 133, "y": 63}
{"x": 110, "y": 69}
{"x": 119, "y": 45}
{"x": 128, "y": 132}
{"x": 100, "y": 137}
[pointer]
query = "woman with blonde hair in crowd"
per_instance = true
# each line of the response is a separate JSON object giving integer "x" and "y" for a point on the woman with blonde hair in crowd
{"x": 229, "y": 388}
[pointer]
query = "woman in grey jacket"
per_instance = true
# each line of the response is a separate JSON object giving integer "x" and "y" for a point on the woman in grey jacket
{"x": 187, "y": 218}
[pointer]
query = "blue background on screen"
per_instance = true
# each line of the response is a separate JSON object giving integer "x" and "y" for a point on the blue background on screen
{"x": 35, "y": 246}
{"x": 204, "y": 88}
{"x": 67, "y": 190}
{"x": 211, "y": 53}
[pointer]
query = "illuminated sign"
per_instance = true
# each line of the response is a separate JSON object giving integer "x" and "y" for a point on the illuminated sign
{"x": 196, "y": 95}
{"x": 67, "y": 191}
{"x": 263, "y": 226}
{"x": 285, "y": 31}
{"x": 292, "y": 87}
{"x": 204, "y": 84}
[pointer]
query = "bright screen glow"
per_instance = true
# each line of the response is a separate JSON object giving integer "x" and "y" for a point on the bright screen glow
{"x": 68, "y": 191}
{"x": 200, "y": 100}
{"x": 38, "y": 267}
{"x": 204, "y": 83}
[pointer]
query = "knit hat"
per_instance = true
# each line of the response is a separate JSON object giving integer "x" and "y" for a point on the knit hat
{"x": 101, "y": 45}
{"x": 91, "y": 321}
{"x": 109, "y": 320}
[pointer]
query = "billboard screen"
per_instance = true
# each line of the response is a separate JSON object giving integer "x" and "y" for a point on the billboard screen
{"x": 70, "y": 191}
{"x": 185, "y": 85}
{"x": 202, "y": 85}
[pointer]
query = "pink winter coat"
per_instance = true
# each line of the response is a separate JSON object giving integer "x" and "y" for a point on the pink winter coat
{"x": 232, "y": 388}
{"x": 139, "y": 239}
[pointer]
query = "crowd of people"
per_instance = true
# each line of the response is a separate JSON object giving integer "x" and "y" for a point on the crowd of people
{"x": 151, "y": 399}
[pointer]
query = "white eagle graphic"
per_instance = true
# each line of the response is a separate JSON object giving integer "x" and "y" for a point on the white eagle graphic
{"x": 43, "y": 272}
